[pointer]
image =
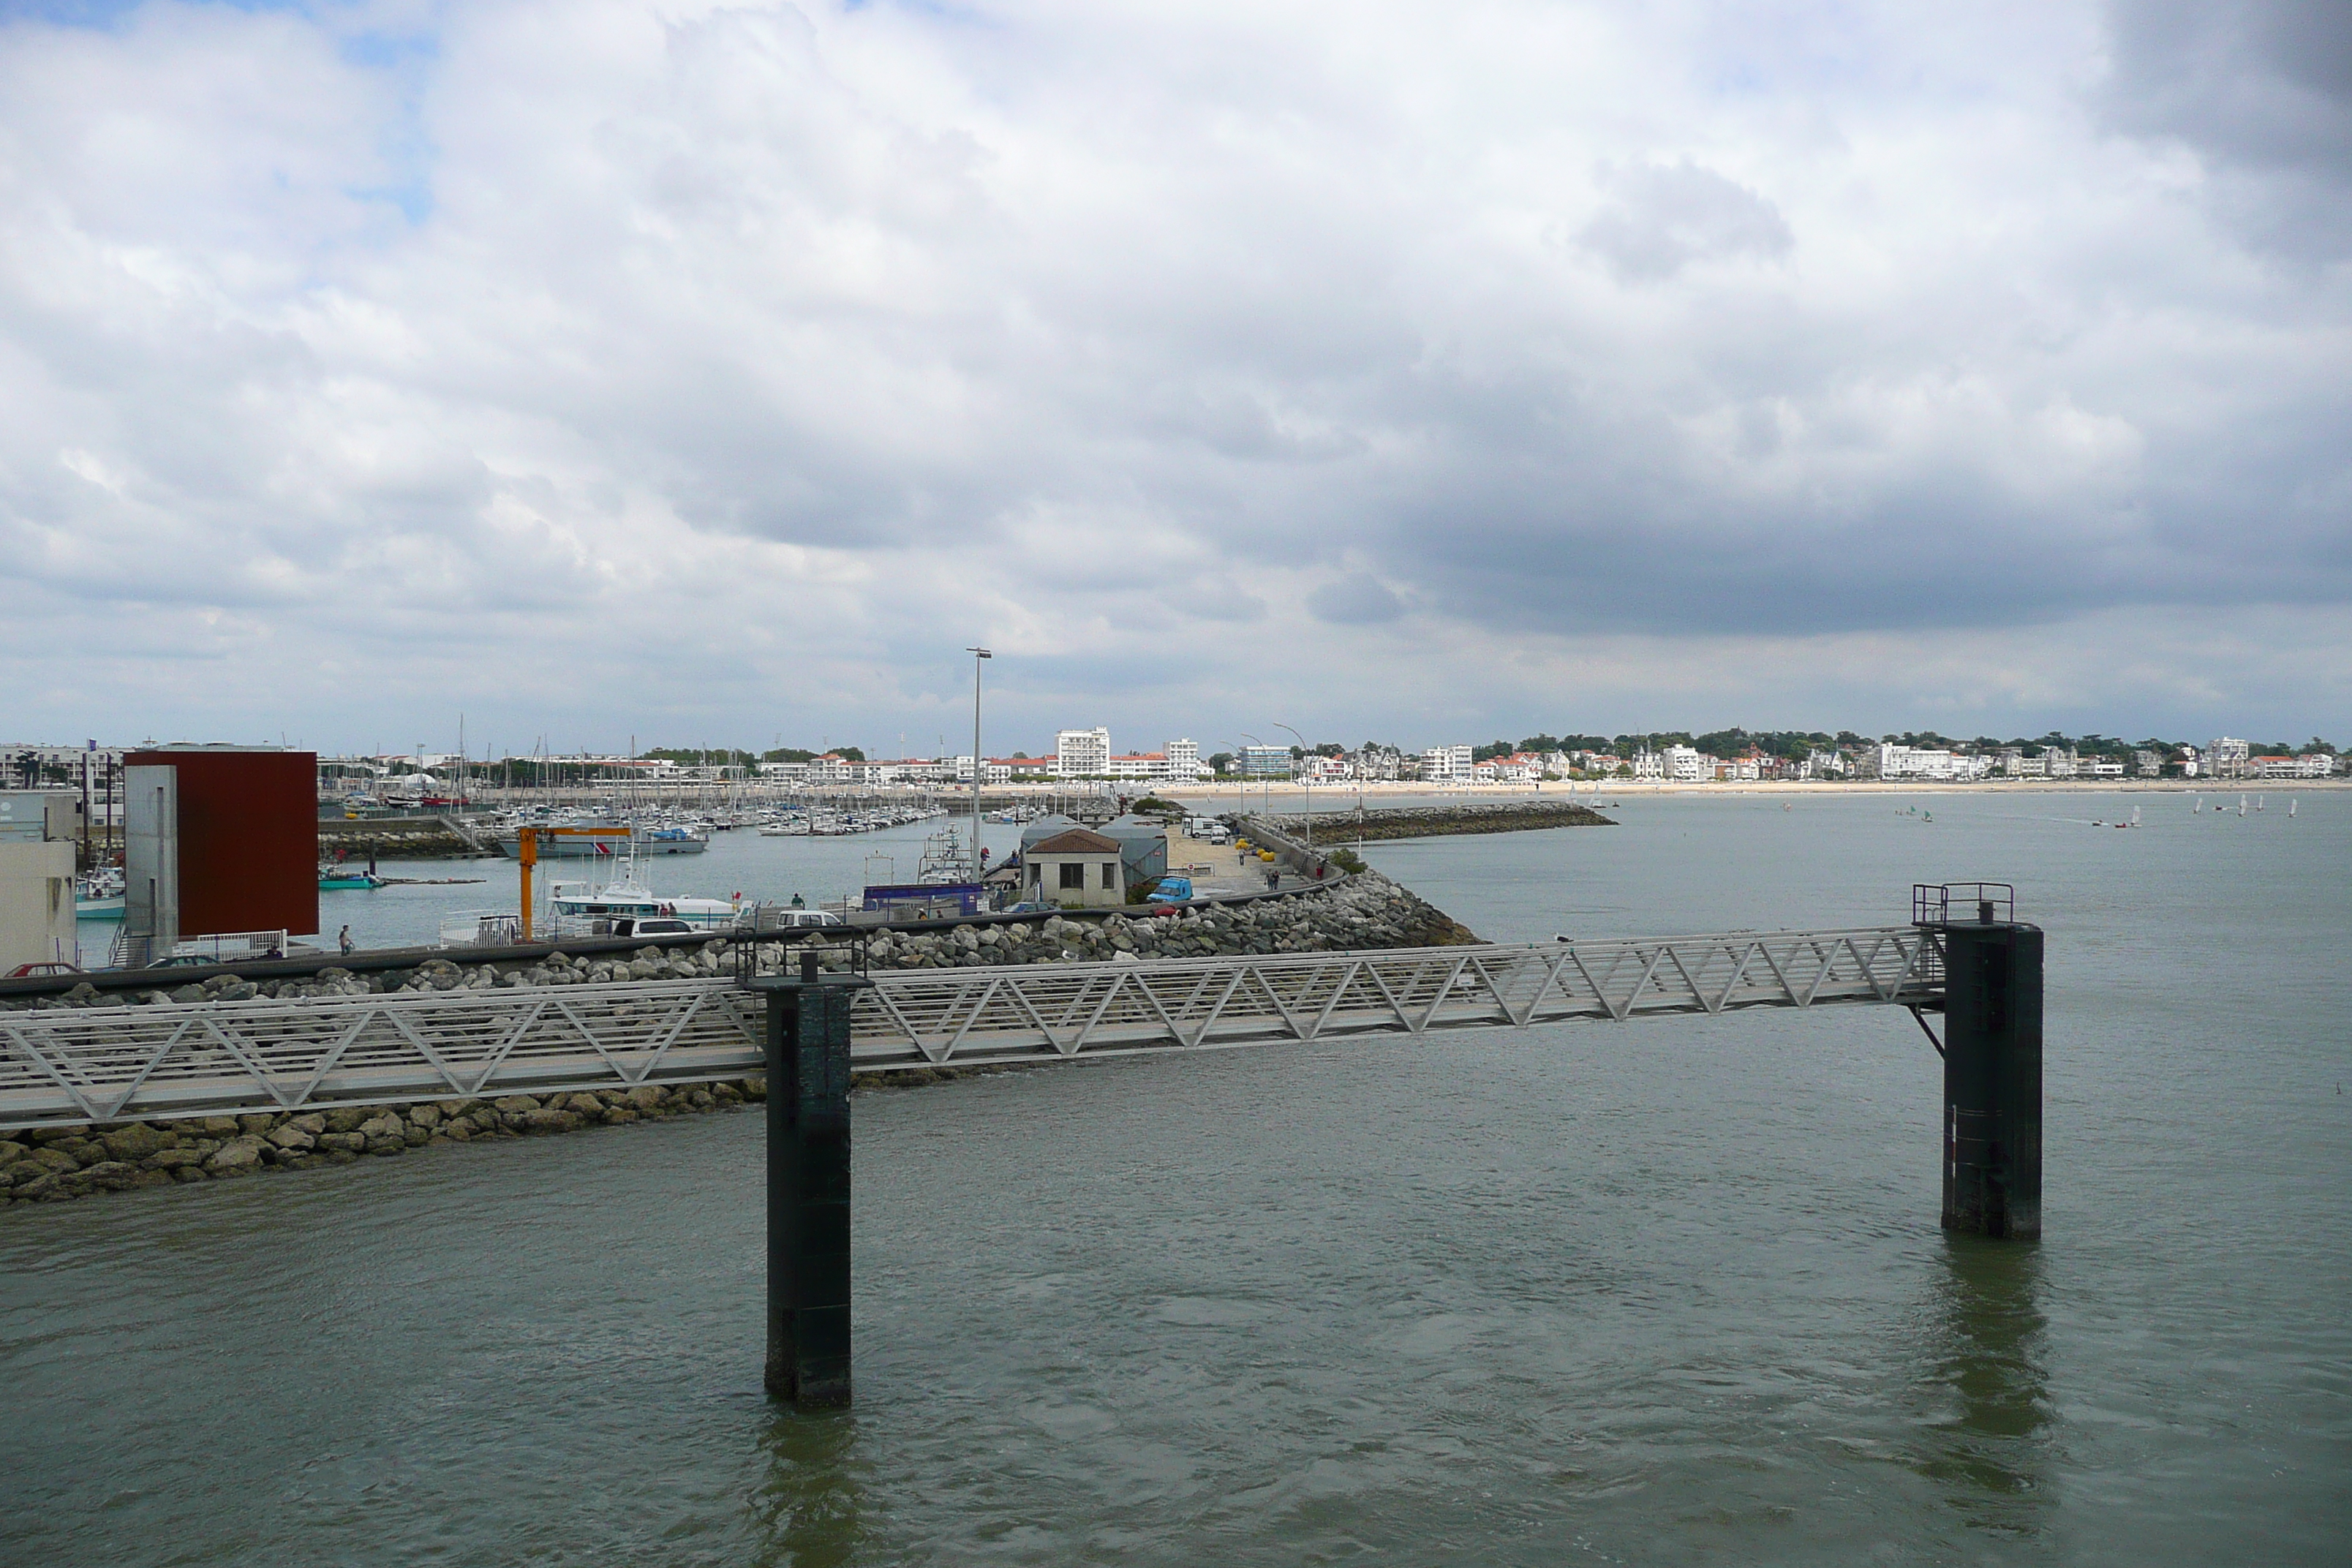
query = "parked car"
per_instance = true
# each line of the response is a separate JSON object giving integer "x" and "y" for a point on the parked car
{"x": 651, "y": 925}
{"x": 41, "y": 971}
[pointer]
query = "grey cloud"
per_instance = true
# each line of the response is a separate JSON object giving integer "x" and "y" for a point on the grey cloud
{"x": 1357, "y": 599}
{"x": 1114, "y": 329}
{"x": 1665, "y": 216}
{"x": 2261, "y": 90}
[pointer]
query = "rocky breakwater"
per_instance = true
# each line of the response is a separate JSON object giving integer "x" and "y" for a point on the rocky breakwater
{"x": 698, "y": 962}
{"x": 50, "y": 1165}
{"x": 1436, "y": 821}
{"x": 1365, "y": 911}
{"x": 396, "y": 838}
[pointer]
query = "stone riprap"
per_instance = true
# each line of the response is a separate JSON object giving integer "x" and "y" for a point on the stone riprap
{"x": 53, "y": 1163}
{"x": 1364, "y": 912}
{"x": 1436, "y": 821}
{"x": 391, "y": 838}
{"x": 50, "y": 1165}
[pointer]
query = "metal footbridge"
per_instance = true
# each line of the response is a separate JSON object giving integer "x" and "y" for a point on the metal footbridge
{"x": 123, "y": 1063}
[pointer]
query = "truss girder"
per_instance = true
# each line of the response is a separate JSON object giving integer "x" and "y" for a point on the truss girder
{"x": 225, "y": 1058}
{"x": 67, "y": 1065}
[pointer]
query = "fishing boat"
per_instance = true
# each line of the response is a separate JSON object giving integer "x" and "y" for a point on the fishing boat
{"x": 626, "y": 897}
{"x": 99, "y": 895}
{"x": 641, "y": 841}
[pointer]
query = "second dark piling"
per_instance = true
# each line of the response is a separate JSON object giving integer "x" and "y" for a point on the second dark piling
{"x": 808, "y": 1186}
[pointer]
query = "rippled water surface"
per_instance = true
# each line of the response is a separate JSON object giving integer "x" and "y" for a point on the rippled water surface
{"x": 1666, "y": 1291}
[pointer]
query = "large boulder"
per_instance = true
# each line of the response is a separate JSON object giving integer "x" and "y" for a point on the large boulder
{"x": 136, "y": 1141}
{"x": 237, "y": 1157}
{"x": 52, "y": 1159}
{"x": 112, "y": 1175}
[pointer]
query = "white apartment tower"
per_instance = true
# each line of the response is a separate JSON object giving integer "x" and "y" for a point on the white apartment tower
{"x": 1183, "y": 759}
{"x": 1082, "y": 753}
{"x": 1448, "y": 762}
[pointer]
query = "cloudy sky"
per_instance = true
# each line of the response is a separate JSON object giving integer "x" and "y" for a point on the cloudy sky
{"x": 713, "y": 373}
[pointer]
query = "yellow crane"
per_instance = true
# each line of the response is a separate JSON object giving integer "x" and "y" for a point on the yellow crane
{"x": 526, "y": 855}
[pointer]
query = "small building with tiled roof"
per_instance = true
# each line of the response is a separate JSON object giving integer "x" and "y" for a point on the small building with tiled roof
{"x": 1077, "y": 869}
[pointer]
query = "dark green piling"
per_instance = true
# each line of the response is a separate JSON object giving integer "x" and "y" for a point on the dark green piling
{"x": 1992, "y": 1079}
{"x": 808, "y": 1185}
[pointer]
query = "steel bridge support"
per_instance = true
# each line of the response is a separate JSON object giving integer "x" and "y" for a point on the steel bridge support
{"x": 1992, "y": 1080}
{"x": 808, "y": 1185}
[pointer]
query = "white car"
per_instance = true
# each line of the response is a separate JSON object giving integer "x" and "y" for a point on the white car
{"x": 652, "y": 925}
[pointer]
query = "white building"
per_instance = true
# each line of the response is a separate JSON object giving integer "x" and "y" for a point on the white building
{"x": 1929, "y": 763}
{"x": 1267, "y": 761}
{"x": 1519, "y": 767}
{"x": 1183, "y": 760}
{"x": 2310, "y": 765}
{"x": 1082, "y": 753}
{"x": 992, "y": 772}
{"x": 1687, "y": 764}
{"x": 1739, "y": 770}
{"x": 1448, "y": 763}
{"x": 1649, "y": 765}
{"x": 2228, "y": 758}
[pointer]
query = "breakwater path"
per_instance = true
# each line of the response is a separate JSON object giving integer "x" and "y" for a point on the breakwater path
{"x": 1436, "y": 821}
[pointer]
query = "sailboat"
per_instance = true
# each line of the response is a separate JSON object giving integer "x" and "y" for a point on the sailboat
{"x": 2290, "y": 807}
{"x": 2242, "y": 805}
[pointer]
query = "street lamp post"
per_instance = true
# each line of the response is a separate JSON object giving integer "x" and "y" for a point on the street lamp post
{"x": 1310, "y": 784}
{"x": 978, "y": 654}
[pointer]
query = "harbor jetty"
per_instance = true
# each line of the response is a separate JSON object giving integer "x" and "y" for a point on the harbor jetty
{"x": 434, "y": 837}
{"x": 1366, "y": 912}
{"x": 1433, "y": 821}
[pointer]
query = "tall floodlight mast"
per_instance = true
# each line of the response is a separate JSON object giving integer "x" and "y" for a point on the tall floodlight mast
{"x": 978, "y": 654}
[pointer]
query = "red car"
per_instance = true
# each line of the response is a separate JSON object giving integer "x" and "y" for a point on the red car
{"x": 39, "y": 971}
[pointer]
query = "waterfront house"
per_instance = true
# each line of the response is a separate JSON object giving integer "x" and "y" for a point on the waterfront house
{"x": 1077, "y": 869}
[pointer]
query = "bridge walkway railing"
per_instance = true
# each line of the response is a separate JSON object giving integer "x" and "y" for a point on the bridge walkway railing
{"x": 123, "y": 1063}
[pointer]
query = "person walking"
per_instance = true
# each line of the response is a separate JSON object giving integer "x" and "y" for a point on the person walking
{"x": 343, "y": 941}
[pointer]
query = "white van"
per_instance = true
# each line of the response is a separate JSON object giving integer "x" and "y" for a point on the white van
{"x": 1208, "y": 830}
